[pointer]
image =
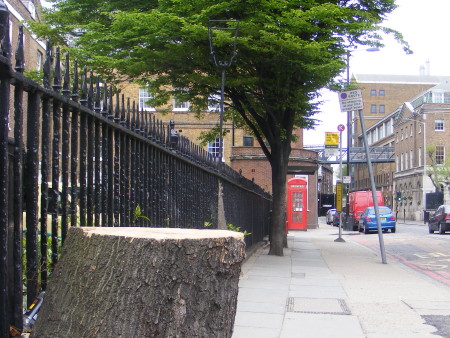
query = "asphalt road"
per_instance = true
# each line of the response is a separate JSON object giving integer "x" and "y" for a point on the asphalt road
{"x": 414, "y": 247}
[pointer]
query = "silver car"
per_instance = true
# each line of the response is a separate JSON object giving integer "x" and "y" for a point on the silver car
{"x": 329, "y": 215}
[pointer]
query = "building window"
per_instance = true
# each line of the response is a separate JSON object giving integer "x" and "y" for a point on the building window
{"x": 373, "y": 108}
{"x": 39, "y": 57}
{"x": 381, "y": 109}
{"x": 440, "y": 154}
{"x": 439, "y": 125}
{"x": 179, "y": 105}
{"x": 144, "y": 96}
{"x": 411, "y": 159}
{"x": 402, "y": 161}
{"x": 406, "y": 132}
{"x": 214, "y": 103}
{"x": 401, "y": 135}
{"x": 411, "y": 130}
{"x": 214, "y": 148}
{"x": 406, "y": 160}
{"x": 381, "y": 92}
{"x": 247, "y": 141}
{"x": 419, "y": 157}
{"x": 373, "y": 92}
{"x": 420, "y": 128}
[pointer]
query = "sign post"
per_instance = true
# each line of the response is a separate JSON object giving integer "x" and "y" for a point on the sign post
{"x": 340, "y": 128}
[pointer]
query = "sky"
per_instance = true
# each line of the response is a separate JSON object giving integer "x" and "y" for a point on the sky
{"x": 424, "y": 26}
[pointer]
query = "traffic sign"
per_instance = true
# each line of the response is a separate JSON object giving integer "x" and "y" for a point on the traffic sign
{"x": 341, "y": 127}
{"x": 350, "y": 100}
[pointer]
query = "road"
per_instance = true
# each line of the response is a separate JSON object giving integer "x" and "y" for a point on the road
{"x": 414, "y": 247}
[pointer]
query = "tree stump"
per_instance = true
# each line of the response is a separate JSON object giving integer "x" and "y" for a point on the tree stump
{"x": 143, "y": 282}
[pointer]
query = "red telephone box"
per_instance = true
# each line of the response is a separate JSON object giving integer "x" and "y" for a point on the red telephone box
{"x": 297, "y": 206}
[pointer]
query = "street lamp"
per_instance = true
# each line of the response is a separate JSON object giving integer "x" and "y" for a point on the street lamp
{"x": 223, "y": 64}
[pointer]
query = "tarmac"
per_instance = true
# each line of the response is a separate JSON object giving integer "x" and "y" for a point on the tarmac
{"x": 322, "y": 288}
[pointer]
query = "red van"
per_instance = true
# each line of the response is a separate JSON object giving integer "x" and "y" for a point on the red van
{"x": 358, "y": 201}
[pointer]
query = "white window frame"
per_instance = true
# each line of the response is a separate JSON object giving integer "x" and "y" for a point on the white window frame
{"x": 439, "y": 125}
{"x": 440, "y": 156}
{"x": 213, "y": 148}
{"x": 214, "y": 104}
{"x": 144, "y": 95}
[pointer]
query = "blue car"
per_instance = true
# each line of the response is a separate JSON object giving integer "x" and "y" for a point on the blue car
{"x": 368, "y": 221}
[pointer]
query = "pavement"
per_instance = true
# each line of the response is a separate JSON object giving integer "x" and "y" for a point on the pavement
{"x": 322, "y": 288}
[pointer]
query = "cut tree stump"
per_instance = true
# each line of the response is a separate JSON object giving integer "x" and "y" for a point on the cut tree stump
{"x": 143, "y": 282}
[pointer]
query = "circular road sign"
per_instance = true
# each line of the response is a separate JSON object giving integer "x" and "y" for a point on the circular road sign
{"x": 341, "y": 127}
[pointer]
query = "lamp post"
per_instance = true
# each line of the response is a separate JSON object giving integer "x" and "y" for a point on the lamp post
{"x": 222, "y": 25}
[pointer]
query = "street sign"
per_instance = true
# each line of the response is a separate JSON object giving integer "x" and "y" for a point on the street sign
{"x": 351, "y": 100}
{"x": 347, "y": 179}
{"x": 331, "y": 140}
{"x": 341, "y": 127}
{"x": 339, "y": 196}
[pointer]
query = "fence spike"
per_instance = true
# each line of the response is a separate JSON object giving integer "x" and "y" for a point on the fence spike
{"x": 66, "y": 90}
{"x": 94, "y": 95}
{"x": 128, "y": 114}
{"x": 105, "y": 97}
{"x": 84, "y": 90}
{"x": 110, "y": 102}
{"x": 122, "y": 112}
{"x": 57, "y": 78}
{"x": 19, "y": 53}
{"x": 117, "y": 108}
{"x": 47, "y": 65}
{"x": 75, "y": 81}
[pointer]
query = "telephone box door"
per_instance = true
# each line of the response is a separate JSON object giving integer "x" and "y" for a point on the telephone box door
{"x": 297, "y": 213}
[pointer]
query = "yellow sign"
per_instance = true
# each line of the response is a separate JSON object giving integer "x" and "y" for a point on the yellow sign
{"x": 339, "y": 196}
{"x": 331, "y": 139}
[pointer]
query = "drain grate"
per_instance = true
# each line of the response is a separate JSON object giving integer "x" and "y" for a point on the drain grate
{"x": 317, "y": 306}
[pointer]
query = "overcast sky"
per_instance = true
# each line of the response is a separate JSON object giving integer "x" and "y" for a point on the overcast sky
{"x": 423, "y": 25}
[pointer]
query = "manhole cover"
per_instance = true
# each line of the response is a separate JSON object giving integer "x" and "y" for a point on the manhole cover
{"x": 317, "y": 305}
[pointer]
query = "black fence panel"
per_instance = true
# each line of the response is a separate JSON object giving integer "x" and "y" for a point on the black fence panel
{"x": 84, "y": 155}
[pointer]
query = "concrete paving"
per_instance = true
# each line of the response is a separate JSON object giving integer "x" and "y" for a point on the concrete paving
{"x": 322, "y": 288}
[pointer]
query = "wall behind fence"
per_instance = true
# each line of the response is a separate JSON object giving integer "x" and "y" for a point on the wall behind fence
{"x": 81, "y": 154}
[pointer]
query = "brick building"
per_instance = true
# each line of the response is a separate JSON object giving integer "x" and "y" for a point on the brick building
{"x": 383, "y": 97}
{"x": 34, "y": 50}
{"x": 420, "y": 123}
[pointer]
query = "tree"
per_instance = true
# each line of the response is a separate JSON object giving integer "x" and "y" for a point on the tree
{"x": 438, "y": 172}
{"x": 287, "y": 51}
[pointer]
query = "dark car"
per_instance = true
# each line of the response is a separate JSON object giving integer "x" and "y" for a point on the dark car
{"x": 440, "y": 220}
{"x": 336, "y": 218}
{"x": 368, "y": 220}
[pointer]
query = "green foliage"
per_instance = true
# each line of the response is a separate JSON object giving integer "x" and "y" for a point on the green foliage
{"x": 34, "y": 75}
{"x": 438, "y": 173}
{"x": 287, "y": 51}
{"x": 237, "y": 229}
{"x": 139, "y": 215}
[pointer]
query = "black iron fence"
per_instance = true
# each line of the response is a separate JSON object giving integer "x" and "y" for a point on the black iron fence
{"x": 74, "y": 152}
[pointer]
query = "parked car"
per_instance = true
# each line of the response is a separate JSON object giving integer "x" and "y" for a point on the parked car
{"x": 440, "y": 220}
{"x": 336, "y": 218}
{"x": 368, "y": 220}
{"x": 358, "y": 202}
{"x": 329, "y": 215}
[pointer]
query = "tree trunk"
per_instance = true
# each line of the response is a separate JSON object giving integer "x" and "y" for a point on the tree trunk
{"x": 278, "y": 220}
{"x": 143, "y": 282}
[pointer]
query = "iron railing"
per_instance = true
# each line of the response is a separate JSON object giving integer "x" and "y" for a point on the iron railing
{"x": 80, "y": 154}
